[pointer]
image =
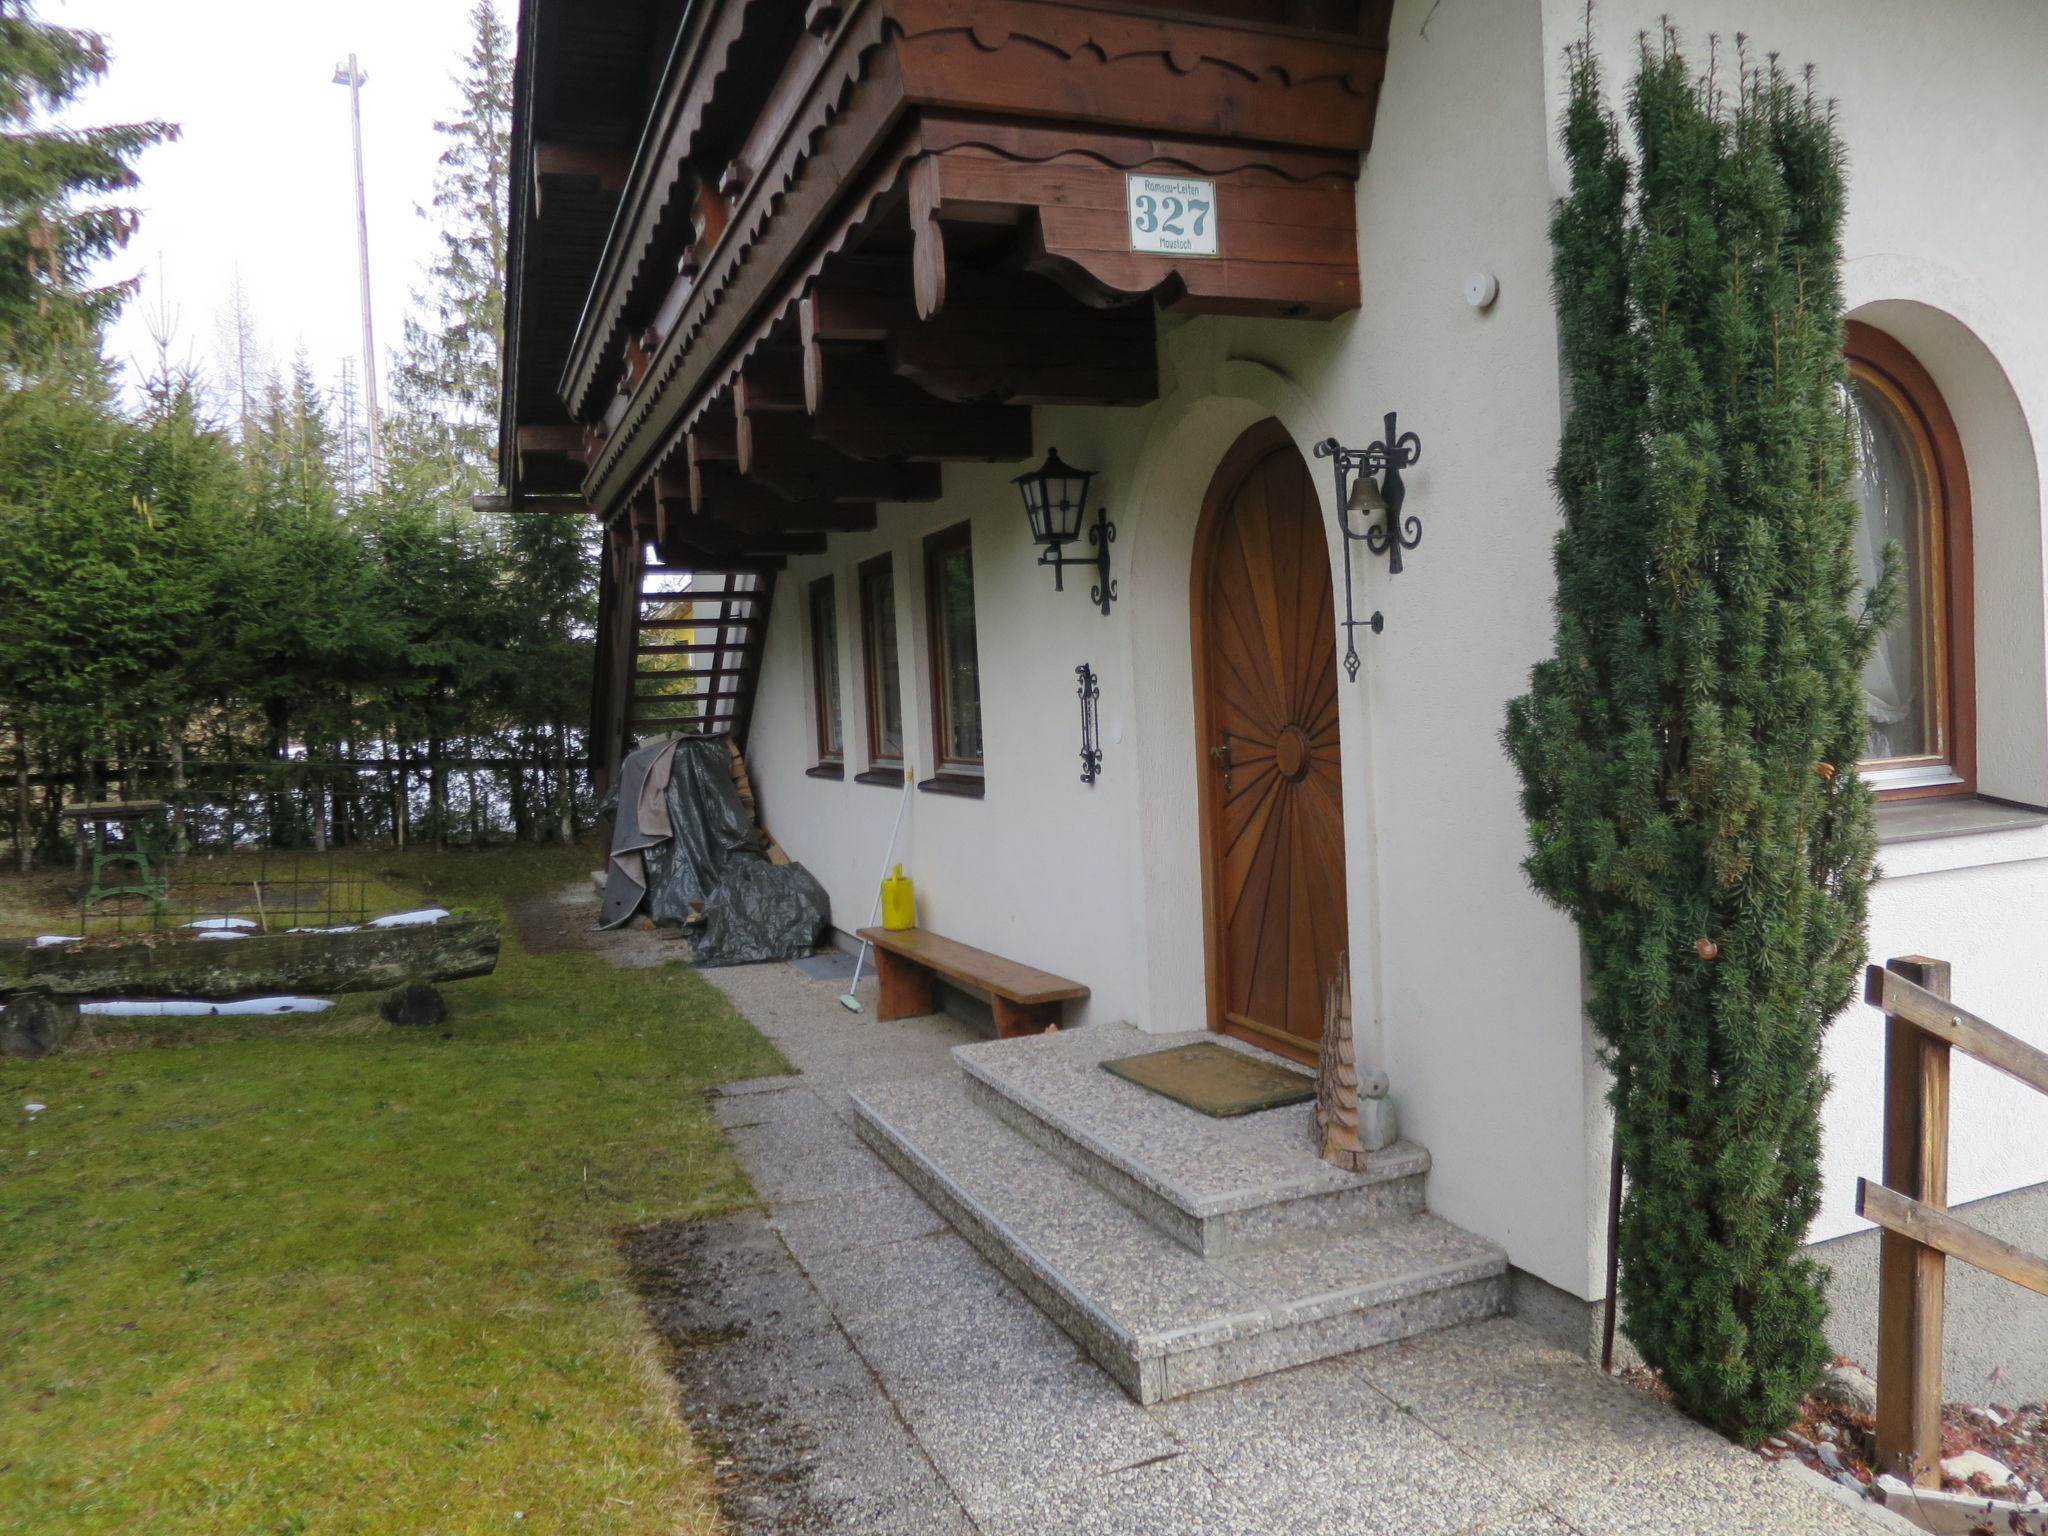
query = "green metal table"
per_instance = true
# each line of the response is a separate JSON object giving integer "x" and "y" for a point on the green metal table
{"x": 140, "y": 824}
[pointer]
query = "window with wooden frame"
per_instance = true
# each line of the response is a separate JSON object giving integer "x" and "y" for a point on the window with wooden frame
{"x": 882, "y": 678}
{"x": 1913, "y": 489}
{"x": 824, "y": 619}
{"x": 955, "y": 661}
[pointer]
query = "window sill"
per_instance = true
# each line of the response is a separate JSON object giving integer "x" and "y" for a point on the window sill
{"x": 1914, "y": 821}
{"x": 889, "y": 777}
{"x": 1929, "y": 836}
{"x": 826, "y": 771}
{"x": 954, "y": 784}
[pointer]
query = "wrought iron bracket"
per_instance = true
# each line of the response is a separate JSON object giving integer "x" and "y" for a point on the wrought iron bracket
{"x": 1389, "y": 533}
{"x": 1090, "y": 691}
{"x": 1100, "y": 537}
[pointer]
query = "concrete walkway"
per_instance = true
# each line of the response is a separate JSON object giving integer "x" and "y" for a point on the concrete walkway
{"x": 861, "y": 1370}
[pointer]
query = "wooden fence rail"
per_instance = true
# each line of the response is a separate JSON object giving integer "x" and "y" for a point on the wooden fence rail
{"x": 1911, "y": 1205}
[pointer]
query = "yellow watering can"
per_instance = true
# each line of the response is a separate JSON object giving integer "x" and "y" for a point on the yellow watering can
{"x": 899, "y": 901}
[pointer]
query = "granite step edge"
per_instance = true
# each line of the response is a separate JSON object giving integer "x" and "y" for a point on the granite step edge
{"x": 1129, "y": 1352}
{"x": 1482, "y": 1261}
{"x": 1215, "y": 1233}
{"x": 1404, "y": 1160}
{"x": 1109, "y": 1345}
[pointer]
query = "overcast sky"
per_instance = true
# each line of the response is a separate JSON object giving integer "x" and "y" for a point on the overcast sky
{"x": 260, "y": 184}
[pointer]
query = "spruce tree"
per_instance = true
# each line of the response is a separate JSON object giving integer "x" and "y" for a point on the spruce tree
{"x": 1688, "y": 756}
{"x": 445, "y": 388}
{"x": 51, "y": 232}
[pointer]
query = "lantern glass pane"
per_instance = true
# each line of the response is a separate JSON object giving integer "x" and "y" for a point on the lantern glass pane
{"x": 1068, "y": 518}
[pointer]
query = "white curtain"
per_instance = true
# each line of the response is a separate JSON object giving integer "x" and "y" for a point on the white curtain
{"x": 1887, "y": 489}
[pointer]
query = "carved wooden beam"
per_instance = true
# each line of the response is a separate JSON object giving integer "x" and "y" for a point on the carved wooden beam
{"x": 1017, "y": 338}
{"x": 713, "y": 443}
{"x": 564, "y": 440}
{"x": 644, "y": 518}
{"x": 690, "y": 540}
{"x": 551, "y": 461}
{"x": 593, "y": 164}
{"x": 867, "y": 411}
{"x": 722, "y": 494}
{"x": 530, "y": 502}
{"x": 1002, "y": 337}
{"x": 772, "y": 384}
{"x": 778, "y": 451}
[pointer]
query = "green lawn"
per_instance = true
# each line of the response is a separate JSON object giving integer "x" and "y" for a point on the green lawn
{"x": 334, "y": 1277}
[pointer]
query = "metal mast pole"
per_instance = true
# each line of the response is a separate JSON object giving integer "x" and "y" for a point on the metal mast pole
{"x": 349, "y": 75}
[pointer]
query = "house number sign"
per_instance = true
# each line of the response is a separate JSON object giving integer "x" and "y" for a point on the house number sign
{"x": 1172, "y": 215}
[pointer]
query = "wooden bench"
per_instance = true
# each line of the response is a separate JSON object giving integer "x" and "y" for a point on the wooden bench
{"x": 909, "y": 961}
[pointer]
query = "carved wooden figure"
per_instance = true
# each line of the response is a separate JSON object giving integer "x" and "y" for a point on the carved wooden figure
{"x": 1354, "y": 1117}
{"x": 1336, "y": 1120}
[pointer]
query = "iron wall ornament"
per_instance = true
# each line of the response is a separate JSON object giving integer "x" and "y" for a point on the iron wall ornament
{"x": 1389, "y": 532}
{"x": 1091, "y": 741}
{"x": 1055, "y": 500}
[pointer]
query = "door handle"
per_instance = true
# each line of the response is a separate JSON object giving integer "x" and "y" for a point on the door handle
{"x": 1222, "y": 755}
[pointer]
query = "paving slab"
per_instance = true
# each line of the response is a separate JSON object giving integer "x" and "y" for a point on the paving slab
{"x": 886, "y": 1380}
{"x": 1338, "y": 1456}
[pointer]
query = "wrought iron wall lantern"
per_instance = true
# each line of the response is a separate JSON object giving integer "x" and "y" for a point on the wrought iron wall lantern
{"x": 1383, "y": 529}
{"x": 1055, "y": 500}
{"x": 1090, "y": 691}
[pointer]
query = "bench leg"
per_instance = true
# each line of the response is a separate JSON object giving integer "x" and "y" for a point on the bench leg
{"x": 1014, "y": 1019}
{"x": 906, "y": 988}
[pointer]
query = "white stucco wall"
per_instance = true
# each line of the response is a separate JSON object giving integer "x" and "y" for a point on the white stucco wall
{"x": 1468, "y": 988}
{"x": 1466, "y": 985}
{"x": 1946, "y": 123}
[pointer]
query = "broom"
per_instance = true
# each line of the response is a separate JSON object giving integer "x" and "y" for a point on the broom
{"x": 847, "y": 999}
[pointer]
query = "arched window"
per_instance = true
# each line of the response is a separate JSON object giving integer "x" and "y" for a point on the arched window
{"x": 1920, "y": 686}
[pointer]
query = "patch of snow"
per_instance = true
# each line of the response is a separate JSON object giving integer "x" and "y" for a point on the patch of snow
{"x": 408, "y": 919}
{"x": 151, "y": 1008}
{"x": 33, "y": 1108}
{"x": 342, "y": 928}
{"x": 221, "y": 933}
{"x": 221, "y": 922}
{"x": 56, "y": 938}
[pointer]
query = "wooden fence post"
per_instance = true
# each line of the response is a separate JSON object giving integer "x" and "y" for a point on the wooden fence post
{"x": 1912, "y": 1276}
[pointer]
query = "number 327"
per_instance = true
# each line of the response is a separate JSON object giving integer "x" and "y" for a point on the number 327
{"x": 1162, "y": 215}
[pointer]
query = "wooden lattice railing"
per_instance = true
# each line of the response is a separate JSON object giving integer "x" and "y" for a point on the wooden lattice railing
{"x": 1911, "y": 1205}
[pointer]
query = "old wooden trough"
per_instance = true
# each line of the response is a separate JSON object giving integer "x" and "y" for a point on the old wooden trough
{"x": 41, "y": 985}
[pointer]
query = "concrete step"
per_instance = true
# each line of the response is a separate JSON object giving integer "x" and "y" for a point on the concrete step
{"x": 1216, "y": 1186}
{"x": 1162, "y": 1320}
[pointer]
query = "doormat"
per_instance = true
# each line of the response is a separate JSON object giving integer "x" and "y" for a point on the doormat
{"x": 1215, "y": 1079}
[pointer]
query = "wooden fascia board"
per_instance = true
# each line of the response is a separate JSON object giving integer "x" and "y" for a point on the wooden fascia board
{"x": 1173, "y": 75}
{"x": 706, "y": 41}
{"x": 745, "y": 276}
{"x": 517, "y": 213}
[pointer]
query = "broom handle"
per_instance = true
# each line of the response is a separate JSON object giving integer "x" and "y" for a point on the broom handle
{"x": 889, "y": 853}
{"x": 875, "y": 912}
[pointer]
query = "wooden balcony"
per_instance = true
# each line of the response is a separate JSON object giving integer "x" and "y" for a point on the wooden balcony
{"x": 855, "y": 241}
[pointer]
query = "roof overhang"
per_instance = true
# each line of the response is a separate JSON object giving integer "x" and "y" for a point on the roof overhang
{"x": 857, "y": 240}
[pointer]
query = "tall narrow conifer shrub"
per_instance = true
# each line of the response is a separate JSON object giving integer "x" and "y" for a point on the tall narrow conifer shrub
{"x": 1688, "y": 756}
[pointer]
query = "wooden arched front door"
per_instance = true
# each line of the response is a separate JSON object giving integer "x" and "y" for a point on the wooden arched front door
{"x": 1265, "y": 639}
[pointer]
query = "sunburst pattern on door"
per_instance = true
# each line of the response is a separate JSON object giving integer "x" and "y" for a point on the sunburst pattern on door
{"x": 1274, "y": 801}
